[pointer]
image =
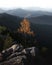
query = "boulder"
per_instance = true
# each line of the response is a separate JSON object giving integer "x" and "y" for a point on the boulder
{"x": 31, "y": 50}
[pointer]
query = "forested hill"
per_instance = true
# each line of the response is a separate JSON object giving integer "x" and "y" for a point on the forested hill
{"x": 45, "y": 19}
{"x": 10, "y": 21}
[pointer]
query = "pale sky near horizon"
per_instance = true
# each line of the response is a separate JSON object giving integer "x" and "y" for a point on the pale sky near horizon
{"x": 10, "y": 4}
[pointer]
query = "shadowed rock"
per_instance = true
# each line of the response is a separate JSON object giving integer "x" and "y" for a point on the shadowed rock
{"x": 14, "y": 61}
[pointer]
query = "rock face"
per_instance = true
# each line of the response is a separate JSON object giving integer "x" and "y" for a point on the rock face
{"x": 24, "y": 57}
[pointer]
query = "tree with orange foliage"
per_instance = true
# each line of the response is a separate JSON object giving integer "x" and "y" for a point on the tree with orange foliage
{"x": 25, "y": 29}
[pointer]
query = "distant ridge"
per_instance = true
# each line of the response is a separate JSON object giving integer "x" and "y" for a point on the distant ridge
{"x": 22, "y": 12}
{"x": 45, "y": 19}
{"x": 33, "y": 12}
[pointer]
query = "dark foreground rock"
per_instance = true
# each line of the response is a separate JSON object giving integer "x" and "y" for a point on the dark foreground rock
{"x": 14, "y": 61}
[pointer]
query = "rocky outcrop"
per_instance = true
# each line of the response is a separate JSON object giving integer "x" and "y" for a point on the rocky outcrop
{"x": 20, "y": 56}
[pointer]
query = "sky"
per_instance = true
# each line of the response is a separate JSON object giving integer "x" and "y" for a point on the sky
{"x": 10, "y": 4}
